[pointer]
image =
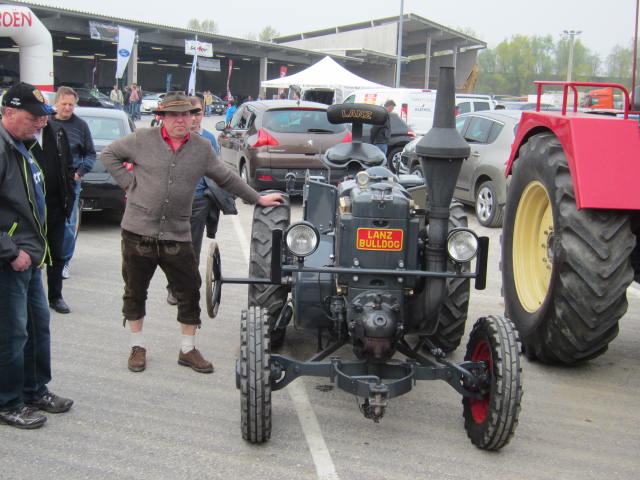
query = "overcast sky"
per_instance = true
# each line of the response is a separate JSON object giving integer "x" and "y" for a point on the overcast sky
{"x": 604, "y": 24}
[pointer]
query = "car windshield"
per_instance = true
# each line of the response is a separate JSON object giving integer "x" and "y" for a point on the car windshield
{"x": 299, "y": 120}
{"x": 104, "y": 128}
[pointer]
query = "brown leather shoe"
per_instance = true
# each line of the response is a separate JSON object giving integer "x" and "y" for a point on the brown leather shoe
{"x": 195, "y": 360}
{"x": 137, "y": 359}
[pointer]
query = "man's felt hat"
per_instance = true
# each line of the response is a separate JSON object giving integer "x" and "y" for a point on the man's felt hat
{"x": 26, "y": 97}
{"x": 175, "y": 102}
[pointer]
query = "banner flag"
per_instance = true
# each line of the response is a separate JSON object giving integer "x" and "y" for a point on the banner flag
{"x": 191, "y": 89}
{"x": 126, "y": 36}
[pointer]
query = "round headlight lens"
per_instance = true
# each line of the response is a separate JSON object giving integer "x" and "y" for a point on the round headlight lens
{"x": 462, "y": 245}
{"x": 302, "y": 239}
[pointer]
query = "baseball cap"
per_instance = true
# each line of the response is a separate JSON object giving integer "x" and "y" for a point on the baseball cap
{"x": 26, "y": 97}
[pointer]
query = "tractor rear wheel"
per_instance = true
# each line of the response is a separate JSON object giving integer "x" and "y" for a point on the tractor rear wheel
{"x": 453, "y": 312}
{"x": 273, "y": 298}
{"x": 255, "y": 376}
{"x": 491, "y": 420}
{"x": 565, "y": 271}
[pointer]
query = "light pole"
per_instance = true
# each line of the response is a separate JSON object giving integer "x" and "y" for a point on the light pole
{"x": 399, "y": 52}
{"x": 572, "y": 34}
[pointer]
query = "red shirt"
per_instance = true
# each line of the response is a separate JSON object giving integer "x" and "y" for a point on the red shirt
{"x": 167, "y": 139}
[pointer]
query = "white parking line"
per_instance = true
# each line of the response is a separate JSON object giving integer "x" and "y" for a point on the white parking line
{"x": 306, "y": 416}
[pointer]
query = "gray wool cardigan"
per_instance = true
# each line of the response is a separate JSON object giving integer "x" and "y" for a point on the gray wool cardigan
{"x": 162, "y": 184}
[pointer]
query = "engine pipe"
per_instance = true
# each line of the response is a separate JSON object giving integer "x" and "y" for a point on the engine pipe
{"x": 441, "y": 152}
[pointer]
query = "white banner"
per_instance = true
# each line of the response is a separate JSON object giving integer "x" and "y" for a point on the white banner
{"x": 126, "y": 36}
{"x": 209, "y": 64}
{"x": 194, "y": 47}
{"x": 192, "y": 77}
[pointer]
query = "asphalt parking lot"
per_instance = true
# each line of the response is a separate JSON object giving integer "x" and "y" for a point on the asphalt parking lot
{"x": 169, "y": 422}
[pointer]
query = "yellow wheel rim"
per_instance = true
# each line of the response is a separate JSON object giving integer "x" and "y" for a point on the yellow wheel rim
{"x": 532, "y": 255}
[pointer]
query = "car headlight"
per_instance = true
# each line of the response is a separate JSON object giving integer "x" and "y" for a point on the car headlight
{"x": 462, "y": 245}
{"x": 302, "y": 239}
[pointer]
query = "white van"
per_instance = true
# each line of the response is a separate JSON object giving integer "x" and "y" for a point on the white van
{"x": 471, "y": 102}
{"x": 415, "y": 106}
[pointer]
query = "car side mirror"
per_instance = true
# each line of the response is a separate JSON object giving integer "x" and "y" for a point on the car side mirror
{"x": 221, "y": 126}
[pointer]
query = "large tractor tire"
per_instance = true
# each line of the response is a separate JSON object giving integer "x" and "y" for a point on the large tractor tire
{"x": 491, "y": 420}
{"x": 272, "y": 298}
{"x": 255, "y": 376}
{"x": 453, "y": 312}
{"x": 565, "y": 272}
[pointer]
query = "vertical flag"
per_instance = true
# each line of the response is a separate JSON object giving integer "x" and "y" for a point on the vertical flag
{"x": 126, "y": 36}
{"x": 191, "y": 89}
{"x": 229, "y": 96}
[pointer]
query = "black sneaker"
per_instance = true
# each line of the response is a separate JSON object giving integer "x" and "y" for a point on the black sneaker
{"x": 51, "y": 403}
{"x": 23, "y": 417}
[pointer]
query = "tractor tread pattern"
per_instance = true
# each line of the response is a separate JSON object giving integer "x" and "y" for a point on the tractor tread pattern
{"x": 506, "y": 384}
{"x": 592, "y": 250}
{"x": 255, "y": 380}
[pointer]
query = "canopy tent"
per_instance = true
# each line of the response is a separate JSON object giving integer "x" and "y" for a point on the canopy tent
{"x": 325, "y": 74}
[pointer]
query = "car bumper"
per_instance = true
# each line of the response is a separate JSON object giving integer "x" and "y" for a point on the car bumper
{"x": 100, "y": 192}
{"x": 276, "y": 178}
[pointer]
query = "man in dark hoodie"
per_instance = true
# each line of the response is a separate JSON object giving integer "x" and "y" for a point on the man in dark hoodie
{"x": 53, "y": 154}
{"x": 25, "y": 342}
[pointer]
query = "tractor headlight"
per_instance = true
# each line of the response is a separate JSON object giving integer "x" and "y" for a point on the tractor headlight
{"x": 302, "y": 239}
{"x": 462, "y": 245}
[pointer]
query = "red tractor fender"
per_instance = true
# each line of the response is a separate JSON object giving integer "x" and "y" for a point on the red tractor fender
{"x": 603, "y": 153}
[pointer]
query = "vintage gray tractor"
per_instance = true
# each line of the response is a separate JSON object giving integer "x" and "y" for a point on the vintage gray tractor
{"x": 382, "y": 263}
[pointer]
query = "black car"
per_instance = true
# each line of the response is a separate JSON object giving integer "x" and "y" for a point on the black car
{"x": 219, "y": 106}
{"x": 401, "y": 134}
{"x": 88, "y": 99}
{"x": 100, "y": 192}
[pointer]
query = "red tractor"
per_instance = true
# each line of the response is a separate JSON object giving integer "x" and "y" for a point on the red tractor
{"x": 571, "y": 227}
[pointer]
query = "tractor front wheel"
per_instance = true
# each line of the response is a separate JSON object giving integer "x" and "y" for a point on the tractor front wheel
{"x": 491, "y": 420}
{"x": 255, "y": 376}
{"x": 565, "y": 271}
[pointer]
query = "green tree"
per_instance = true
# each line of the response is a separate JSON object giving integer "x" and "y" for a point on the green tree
{"x": 619, "y": 64}
{"x": 268, "y": 33}
{"x": 209, "y": 26}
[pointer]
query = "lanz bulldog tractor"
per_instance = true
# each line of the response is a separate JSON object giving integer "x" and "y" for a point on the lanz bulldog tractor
{"x": 382, "y": 263}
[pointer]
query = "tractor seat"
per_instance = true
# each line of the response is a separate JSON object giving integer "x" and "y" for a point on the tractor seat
{"x": 342, "y": 154}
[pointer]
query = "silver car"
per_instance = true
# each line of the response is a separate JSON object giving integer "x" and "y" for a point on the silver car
{"x": 481, "y": 182}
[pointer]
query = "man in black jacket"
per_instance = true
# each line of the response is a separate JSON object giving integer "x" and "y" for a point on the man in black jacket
{"x": 381, "y": 134}
{"x": 53, "y": 153}
{"x": 25, "y": 341}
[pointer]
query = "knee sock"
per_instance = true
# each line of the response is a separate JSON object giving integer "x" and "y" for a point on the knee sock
{"x": 188, "y": 343}
{"x": 137, "y": 339}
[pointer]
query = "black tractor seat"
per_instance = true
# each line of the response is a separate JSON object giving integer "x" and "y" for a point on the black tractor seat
{"x": 341, "y": 155}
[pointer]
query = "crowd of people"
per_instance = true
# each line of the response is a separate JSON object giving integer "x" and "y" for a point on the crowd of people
{"x": 43, "y": 154}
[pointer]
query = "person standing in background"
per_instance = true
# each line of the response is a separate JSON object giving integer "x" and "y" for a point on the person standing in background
{"x": 84, "y": 157}
{"x": 209, "y": 198}
{"x": 381, "y": 134}
{"x": 53, "y": 153}
{"x": 116, "y": 97}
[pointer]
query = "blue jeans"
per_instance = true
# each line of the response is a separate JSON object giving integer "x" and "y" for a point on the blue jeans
{"x": 25, "y": 342}
{"x": 135, "y": 111}
{"x": 70, "y": 230}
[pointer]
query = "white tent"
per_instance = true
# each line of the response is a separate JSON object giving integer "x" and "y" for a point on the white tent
{"x": 325, "y": 74}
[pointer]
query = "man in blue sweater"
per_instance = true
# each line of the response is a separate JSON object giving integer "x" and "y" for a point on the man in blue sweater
{"x": 84, "y": 157}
